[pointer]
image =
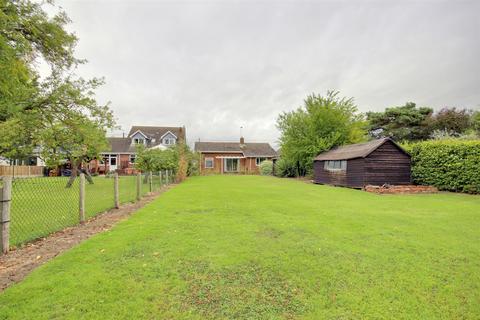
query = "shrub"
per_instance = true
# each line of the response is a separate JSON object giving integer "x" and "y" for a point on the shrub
{"x": 452, "y": 165}
{"x": 285, "y": 168}
{"x": 266, "y": 168}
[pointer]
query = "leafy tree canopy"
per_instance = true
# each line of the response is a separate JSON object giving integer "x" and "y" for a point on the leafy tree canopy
{"x": 452, "y": 121}
{"x": 475, "y": 120}
{"x": 407, "y": 122}
{"x": 57, "y": 114}
{"x": 321, "y": 123}
{"x": 155, "y": 160}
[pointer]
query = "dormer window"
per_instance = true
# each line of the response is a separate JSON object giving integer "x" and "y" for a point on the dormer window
{"x": 168, "y": 141}
{"x": 139, "y": 141}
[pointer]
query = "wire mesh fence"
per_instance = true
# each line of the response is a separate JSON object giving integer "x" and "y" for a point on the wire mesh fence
{"x": 156, "y": 181}
{"x": 42, "y": 205}
{"x": 99, "y": 195}
{"x": 127, "y": 188}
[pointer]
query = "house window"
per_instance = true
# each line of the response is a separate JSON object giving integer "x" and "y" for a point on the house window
{"x": 139, "y": 141}
{"x": 259, "y": 160}
{"x": 111, "y": 159}
{"x": 231, "y": 165}
{"x": 208, "y": 163}
{"x": 132, "y": 158}
{"x": 335, "y": 165}
{"x": 168, "y": 141}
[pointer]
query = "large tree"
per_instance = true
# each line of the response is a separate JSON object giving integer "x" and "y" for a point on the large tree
{"x": 452, "y": 121}
{"x": 407, "y": 122}
{"x": 322, "y": 123}
{"x": 56, "y": 112}
{"x": 475, "y": 121}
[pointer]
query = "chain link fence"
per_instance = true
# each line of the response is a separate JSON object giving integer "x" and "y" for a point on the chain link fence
{"x": 42, "y": 205}
{"x": 127, "y": 186}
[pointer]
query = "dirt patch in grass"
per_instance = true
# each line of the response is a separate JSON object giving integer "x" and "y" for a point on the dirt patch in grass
{"x": 18, "y": 263}
{"x": 271, "y": 233}
{"x": 247, "y": 291}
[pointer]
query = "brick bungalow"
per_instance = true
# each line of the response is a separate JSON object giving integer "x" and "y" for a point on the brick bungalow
{"x": 122, "y": 153}
{"x": 233, "y": 157}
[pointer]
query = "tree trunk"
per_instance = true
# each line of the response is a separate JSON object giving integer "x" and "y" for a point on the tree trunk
{"x": 76, "y": 169}
{"x": 88, "y": 176}
{"x": 73, "y": 175}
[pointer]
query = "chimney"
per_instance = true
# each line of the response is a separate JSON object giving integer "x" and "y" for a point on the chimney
{"x": 242, "y": 140}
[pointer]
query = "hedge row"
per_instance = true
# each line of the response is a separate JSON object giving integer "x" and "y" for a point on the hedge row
{"x": 452, "y": 165}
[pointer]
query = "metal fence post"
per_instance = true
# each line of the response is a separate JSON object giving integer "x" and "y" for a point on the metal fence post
{"x": 81, "y": 206}
{"x": 139, "y": 186}
{"x": 116, "y": 197}
{"x": 166, "y": 177}
{"x": 150, "y": 180}
{"x": 5, "y": 199}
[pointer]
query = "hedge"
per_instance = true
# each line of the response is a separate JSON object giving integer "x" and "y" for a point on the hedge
{"x": 451, "y": 165}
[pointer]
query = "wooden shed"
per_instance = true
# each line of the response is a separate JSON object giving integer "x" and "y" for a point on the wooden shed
{"x": 376, "y": 162}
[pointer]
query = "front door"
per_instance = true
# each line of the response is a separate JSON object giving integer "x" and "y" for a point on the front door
{"x": 111, "y": 161}
{"x": 232, "y": 165}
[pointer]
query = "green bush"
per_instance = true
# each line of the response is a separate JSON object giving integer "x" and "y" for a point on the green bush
{"x": 285, "y": 168}
{"x": 266, "y": 168}
{"x": 451, "y": 165}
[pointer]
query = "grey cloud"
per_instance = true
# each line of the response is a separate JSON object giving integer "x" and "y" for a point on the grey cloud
{"x": 215, "y": 66}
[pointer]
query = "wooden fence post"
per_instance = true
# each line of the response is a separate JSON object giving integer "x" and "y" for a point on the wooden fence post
{"x": 150, "y": 180}
{"x": 160, "y": 177}
{"x": 139, "y": 186}
{"x": 116, "y": 197}
{"x": 5, "y": 200}
{"x": 81, "y": 206}
{"x": 166, "y": 177}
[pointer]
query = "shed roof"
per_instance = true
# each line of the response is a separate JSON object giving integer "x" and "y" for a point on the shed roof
{"x": 249, "y": 149}
{"x": 352, "y": 151}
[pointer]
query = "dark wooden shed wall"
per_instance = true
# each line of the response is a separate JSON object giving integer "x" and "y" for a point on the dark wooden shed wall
{"x": 387, "y": 164}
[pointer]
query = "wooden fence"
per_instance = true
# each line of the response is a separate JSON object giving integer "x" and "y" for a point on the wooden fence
{"x": 21, "y": 171}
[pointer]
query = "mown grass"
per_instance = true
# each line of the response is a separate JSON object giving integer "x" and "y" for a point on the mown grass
{"x": 246, "y": 247}
{"x": 44, "y": 205}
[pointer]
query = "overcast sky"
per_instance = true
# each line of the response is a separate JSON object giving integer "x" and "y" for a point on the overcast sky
{"x": 214, "y": 66}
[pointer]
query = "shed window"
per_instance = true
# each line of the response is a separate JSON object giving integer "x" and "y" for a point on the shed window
{"x": 335, "y": 165}
{"x": 209, "y": 163}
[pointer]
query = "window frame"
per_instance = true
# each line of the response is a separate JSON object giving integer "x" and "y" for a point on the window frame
{"x": 335, "y": 165}
{"x": 169, "y": 141}
{"x": 139, "y": 141}
{"x": 225, "y": 164}
{"x": 257, "y": 163}
{"x": 107, "y": 158}
{"x": 209, "y": 159}
{"x": 132, "y": 157}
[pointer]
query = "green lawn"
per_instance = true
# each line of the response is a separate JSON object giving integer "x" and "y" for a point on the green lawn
{"x": 43, "y": 205}
{"x": 247, "y": 247}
